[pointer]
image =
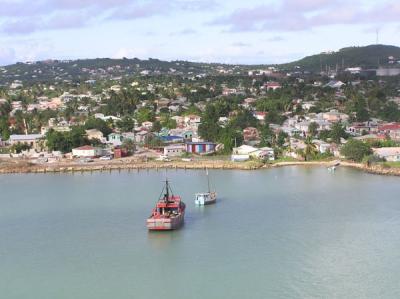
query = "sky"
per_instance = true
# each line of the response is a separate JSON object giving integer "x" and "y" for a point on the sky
{"x": 228, "y": 31}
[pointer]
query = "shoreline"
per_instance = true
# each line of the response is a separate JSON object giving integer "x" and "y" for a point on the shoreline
{"x": 118, "y": 165}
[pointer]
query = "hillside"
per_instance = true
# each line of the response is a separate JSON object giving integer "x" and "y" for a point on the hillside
{"x": 100, "y": 68}
{"x": 51, "y": 71}
{"x": 366, "y": 57}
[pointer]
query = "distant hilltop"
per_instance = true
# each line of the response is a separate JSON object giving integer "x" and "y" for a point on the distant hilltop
{"x": 368, "y": 57}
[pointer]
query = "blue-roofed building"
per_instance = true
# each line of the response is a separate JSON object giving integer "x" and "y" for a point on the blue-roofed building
{"x": 171, "y": 139}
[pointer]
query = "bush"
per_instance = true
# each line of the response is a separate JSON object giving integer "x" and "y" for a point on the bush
{"x": 355, "y": 150}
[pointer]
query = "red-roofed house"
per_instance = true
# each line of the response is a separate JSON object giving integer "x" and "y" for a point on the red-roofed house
{"x": 272, "y": 85}
{"x": 392, "y": 130}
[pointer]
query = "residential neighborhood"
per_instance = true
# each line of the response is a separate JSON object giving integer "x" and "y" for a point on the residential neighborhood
{"x": 227, "y": 112}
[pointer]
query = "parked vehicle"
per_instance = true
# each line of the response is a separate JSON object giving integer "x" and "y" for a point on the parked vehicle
{"x": 106, "y": 158}
{"x": 86, "y": 160}
{"x": 163, "y": 158}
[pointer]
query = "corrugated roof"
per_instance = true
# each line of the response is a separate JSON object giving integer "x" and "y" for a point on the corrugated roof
{"x": 25, "y": 137}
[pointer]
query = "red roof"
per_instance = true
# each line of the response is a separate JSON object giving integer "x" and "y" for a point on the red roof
{"x": 272, "y": 84}
{"x": 390, "y": 127}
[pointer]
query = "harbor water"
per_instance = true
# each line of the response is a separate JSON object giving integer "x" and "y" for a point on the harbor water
{"x": 293, "y": 232}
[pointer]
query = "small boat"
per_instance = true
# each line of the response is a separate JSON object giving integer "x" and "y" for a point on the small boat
{"x": 206, "y": 198}
{"x": 169, "y": 212}
{"x": 332, "y": 168}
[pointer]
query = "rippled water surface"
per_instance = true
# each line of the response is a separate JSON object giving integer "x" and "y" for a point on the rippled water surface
{"x": 281, "y": 233}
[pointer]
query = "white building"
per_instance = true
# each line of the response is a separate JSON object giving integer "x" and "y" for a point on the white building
{"x": 174, "y": 150}
{"x": 87, "y": 151}
{"x": 391, "y": 154}
{"x": 244, "y": 152}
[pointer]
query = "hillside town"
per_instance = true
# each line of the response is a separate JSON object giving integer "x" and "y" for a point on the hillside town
{"x": 265, "y": 114}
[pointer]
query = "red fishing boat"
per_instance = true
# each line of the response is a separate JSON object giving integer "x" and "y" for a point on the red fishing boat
{"x": 169, "y": 212}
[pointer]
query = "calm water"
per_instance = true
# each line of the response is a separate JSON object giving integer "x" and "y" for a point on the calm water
{"x": 282, "y": 233}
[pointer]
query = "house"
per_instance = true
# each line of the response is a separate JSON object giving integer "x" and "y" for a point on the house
{"x": 162, "y": 103}
{"x": 303, "y": 126}
{"x": 223, "y": 121}
{"x": 387, "y": 72}
{"x": 353, "y": 70}
{"x": 249, "y": 102}
{"x": 128, "y": 136}
{"x": 87, "y": 151}
{"x": 188, "y": 135}
{"x": 33, "y": 140}
{"x": 200, "y": 147}
{"x": 291, "y": 131}
{"x": 240, "y": 153}
{"x": 334, "y": 84}
{"x": 334, "y": 116}
{"x": 115, "y": 88}
{"x": 272, "y": 86}
{"x": 267, "y": 153}
{"x": 174, "y": 150}
{"x": 108, "y": 117}
{"x": 228, "y": 91}
{"x": 115, "y": 139}
{"x": 147, "y": 125}
{"x": 371, "y": 137}
{"x": 94, "y": 134}
{"x": 392, "y": 130}
{"x": 142, "y": 136}
{"x": 192, "y": 119}
{"x": 307, "y": 105}
{"x": 180, "y": 120}
{"x": 358, "y": 129}
{"x": 260, "y": 115}
{"x": 322, "y": 146}
{"x": 251, "y": 134}
{"x": 391, "y": 154}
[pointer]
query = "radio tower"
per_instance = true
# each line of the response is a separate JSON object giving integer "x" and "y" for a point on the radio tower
{"x": 377, "y": 36}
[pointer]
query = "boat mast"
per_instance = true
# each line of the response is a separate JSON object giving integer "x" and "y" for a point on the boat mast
{"x": 208, "y": 181}
{"x": 166, "y": 195}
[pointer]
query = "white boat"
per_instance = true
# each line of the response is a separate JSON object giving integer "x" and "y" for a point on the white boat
{"x": 206, "y": 198}
{"x": 332, "y": 168}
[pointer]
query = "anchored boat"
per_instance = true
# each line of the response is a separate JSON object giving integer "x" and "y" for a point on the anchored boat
{"x": 169, "y": 212}
{"x": 206, "y": 198}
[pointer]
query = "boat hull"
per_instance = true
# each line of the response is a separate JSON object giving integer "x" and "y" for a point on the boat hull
{"x": 203, "y": 199}
{"x": 165, "y": 224}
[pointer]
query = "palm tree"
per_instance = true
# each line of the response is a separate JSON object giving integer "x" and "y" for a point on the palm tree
{"x": 310, "y": 150}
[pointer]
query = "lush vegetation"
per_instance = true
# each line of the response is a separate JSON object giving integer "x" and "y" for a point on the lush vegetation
{"x": 356, "y": 150}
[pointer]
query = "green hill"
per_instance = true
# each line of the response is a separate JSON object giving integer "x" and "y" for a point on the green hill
{"x": 51, "y": 71}
{"x": 367, "y": 57}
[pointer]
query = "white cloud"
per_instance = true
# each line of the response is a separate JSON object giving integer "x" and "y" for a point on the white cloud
{"x": 7, "y": 55}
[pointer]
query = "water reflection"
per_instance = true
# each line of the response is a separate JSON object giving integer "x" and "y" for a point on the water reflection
{"x": 161, "y": 240}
